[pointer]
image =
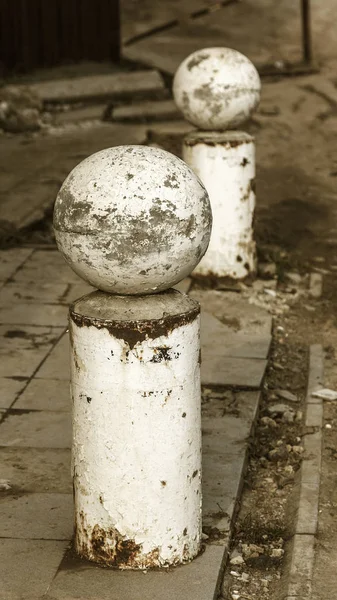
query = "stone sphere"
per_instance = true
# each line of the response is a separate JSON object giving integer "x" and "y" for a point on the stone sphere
{"x": 216, "y": 88}
{"x": 132, "y": 220}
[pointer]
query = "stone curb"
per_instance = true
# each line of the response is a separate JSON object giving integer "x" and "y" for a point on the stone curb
{"x": 296, "y": 583}
{"x": 316, "y": 285}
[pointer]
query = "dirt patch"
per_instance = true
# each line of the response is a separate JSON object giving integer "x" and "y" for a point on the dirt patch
{"x": 264, "y": 525}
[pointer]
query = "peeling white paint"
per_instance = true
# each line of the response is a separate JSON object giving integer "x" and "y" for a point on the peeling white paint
{"x": 132, "y": 220}
{"x": 216, "y": 88}
{"x": 136, "y": 429}
{"x": 225, "y": 163}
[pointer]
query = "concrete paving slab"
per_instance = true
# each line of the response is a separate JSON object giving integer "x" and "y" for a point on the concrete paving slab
{"x": 57, "y": 364}
{"x": 236, "y": 372}
{"x": 234, "y": 311}
{"x": 37, "y": 516}
{"x": 23, "y": 348}
{"x": 46, "y": 266}
{"x": 307, "y": 516}
{"x": 9, "y": 390}
{"x": 34, "y": 314}
{"x": 27, "y": 201}
{"x": 84, "y": 113}
{"x": 160, "y": 110}
{"x": 39, "y": 470}
{"x": 218, "y": 339}
{"x": 199, "y": 580}
{"x": 40, "y": 293}
{"x": 170, "y": 128}
{"x": 239, "y": 404}
{"x": 220, "y": 435}
{"x": 95, "y": 87}
{"x": 36, "y": 429}
{"x": 301, "y": 568}
{"x": 182, "y": 41}
{"x": 45, "y": 161}
{"x": 219, "y": 406}
{"x": 11, "y": 259}
{"x": 19, "y": 559}
{"x": 316, "y": 372}
{"x": 312, "y": 459}
{"x": 222, "y": 482}
{"x": 314, "y": 414}
{"x": 45, "y": 394}
{"x": 224, "y": 443}
{"x": 141, "y": 18}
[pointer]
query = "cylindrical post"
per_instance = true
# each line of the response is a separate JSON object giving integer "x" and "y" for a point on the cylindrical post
{"x": 136, "y": 428}
{"x": 217, "y": 90}
{"x": 225, "y": 163}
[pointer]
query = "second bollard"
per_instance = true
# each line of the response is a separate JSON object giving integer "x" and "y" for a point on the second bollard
{"x": 225, "y": 163}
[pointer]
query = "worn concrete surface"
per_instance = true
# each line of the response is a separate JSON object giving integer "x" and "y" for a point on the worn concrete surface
{"x": 35, "y": 437}
{"x": 278, "y": 28}
{"x": 41, "y": 557}
{"x": 99, "y": 87}
{"x": 77, "y": 579}
{"x": 274, "y": 32}
{"x": 95, "y": 112}
{"x": 163, "y": 110}
{"x": 34, "y": 168}
{"x": 139, "y": 18}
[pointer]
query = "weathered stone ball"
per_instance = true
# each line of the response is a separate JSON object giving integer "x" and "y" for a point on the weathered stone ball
{"x": 132, "y": 220}
{"x": 216, "y": 88}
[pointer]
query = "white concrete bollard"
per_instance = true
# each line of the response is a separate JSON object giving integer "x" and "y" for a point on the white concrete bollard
{"x": 225, "y": 162}
{"x": 133, "y": 220}
{"x": 136, "y": 429}
{"x": 217, "y": 89}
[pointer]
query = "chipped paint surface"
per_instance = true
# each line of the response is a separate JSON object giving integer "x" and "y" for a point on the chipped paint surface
{"x": 216, "y": 88}
{"x": 132, "y": 220}
{"x": 136, "y": 455}
{"x": 225, "y": 162}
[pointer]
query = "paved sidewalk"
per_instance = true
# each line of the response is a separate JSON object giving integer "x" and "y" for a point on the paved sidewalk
{"x": 273, "y": 34}
{"x": 36, "y": 522}
{"x": 33, "y": 168}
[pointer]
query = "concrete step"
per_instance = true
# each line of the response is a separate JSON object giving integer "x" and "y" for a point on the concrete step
{"x": 100, "y": 87}
{"x": 160, "y": 110}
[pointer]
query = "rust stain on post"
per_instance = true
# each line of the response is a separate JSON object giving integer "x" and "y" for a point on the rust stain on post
{"x": 134, "y": 332}
{"x": 193, "y": 140}
{"x": 110, "y": 548}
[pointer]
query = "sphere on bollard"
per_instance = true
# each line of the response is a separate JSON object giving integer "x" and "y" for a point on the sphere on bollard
{"x": 132, "y": 220}
{"x": 216, "y": 88}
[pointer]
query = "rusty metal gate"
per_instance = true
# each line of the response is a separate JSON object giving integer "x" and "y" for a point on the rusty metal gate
{"x": 46, "y": 33}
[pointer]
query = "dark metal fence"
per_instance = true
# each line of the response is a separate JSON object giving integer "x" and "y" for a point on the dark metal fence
{"x": 46, "y": 33}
